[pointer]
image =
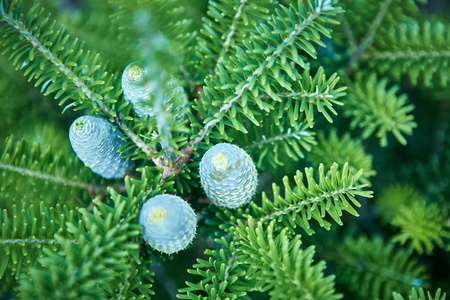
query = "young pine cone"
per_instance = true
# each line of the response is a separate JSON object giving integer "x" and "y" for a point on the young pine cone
{"x": 228, "y": 175}
{"x": 169, "y": 223}
{"x": 96, "y": 144}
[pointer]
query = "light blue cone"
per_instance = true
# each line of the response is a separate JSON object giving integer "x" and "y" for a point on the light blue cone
{"x": 97, "y": 145}
{"x": 169, "y": 223}
{"x": 228, "y": 175}
{"x": 136, "y": 89}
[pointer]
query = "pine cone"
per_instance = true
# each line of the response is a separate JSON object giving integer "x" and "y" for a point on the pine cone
{"x": 97, "y": 145}
{"x": 137, "y": 90}
{"x": 169, "y": 223}
{"x": 228, "y": 175}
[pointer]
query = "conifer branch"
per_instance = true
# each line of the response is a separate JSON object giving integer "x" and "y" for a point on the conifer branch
{"x": 60, "y": 180}
{"x": 82, "y": 87}
{"x": 227, "y": 43}
{"x": 227, "y": 272}
{"x": 381, "y": 267}
{"x": 368, "y": 39}
{"x": 298, "y": 206}
{"x": 409, "y": 54}
{"x": 377, "y": 109}
{"x": 223, "y": 275}
{"x": 334, "y": 193}
{"x": 228, "y": 25}
{"x": 248, "y": 83}
{"x": 278, "y": 264}
{"x": 348, "y": 32}
{"x": 28, "y": 241}
{"x": 288, "y": 135}
{"x": 416, "y": 49}
{"x": 215, "y": 120}
{"x": 125, "y": 283}
{"x": 304, "y": 94}
{"x": 419, "y": 294}
{"x": 332, "y": 148}
{"x": 21, "y": 28}
{"x": 32, "y": 241}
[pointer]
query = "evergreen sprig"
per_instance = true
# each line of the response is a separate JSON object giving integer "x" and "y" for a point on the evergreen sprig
{"x": 419, "y": 294}
{"x": 99, "y": 255}
{"x": 377, "y": 109}
{"x": 45, "y": 52}
{"x": 247, "y": 72}
{"x": 367, "y": 19}
{"x": 26, "y": 230}
{"x": 223, "y": 275}
{"x": 375, "y": 269}
{"x": 268, "y": 66}
{"x": 332, "y": 148}
{"x": 278, "y": 264}
{"x": 418, "y": 50}
{"x": 42, "y": 172}
{"x": 276, "y": 144}
{"x": 335, "y": 192}
{"x": 421, "y": 223}
{"x": 102, "y": 256}
{"x": 228, "y": 23}
{"x": 91, "y": 23}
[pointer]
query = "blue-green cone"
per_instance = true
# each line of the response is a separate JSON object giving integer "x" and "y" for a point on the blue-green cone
{"x": 97, "y": 145}
{"x": 137, "y": 90}
{"x": 228, "y": 175}
{"x": 169, "y": 223}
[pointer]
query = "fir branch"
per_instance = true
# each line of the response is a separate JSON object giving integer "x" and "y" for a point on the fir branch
{"x": 32, "y": 241}
{"x": 378, "y": 267}
{"x": 214, "y": 121}
{"x": 125, "y": 283}
{"x": 292, "y": 39}
{"x": 418, "y": 222}
{"x": 278, "y": 264}
{"x": 222, "y": 275}
{"x": 228, "y": 25}
{"x": 107, "y": 240}
{"x": 418, "y": 50}
{"x": 375, "y": 108}
{"x": 289, "y": 134}
{"x": 419, "y": 294}
{"x": 27, "y": 229}
{"x": 29, "y": 241}
{"x": 317, "y": 94}
{"x": 55, "y": 179}
{"x": 276, "y": 141}
{"x": 408, "y": 54}
{"x": 138, "y": 283}
{"x": 368, "y": 39}
{"x": 34, "y": 41}
{"x": 332, "y": 148}
{"x": 312, "y": 200}
{"x": 348, "y": 32}
{"x": 334, "y": 193}
{"x": 26, "y": 165}
{"x": 39, "y": 41}
{"x": 227, "y": 43}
